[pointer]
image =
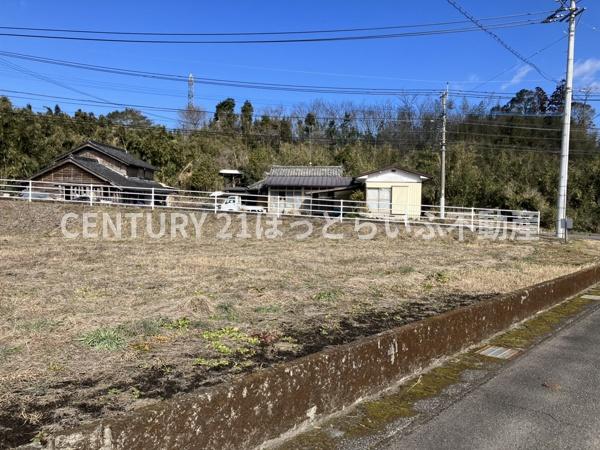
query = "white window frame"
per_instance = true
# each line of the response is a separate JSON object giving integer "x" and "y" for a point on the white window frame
{"x": 377, "y": 201}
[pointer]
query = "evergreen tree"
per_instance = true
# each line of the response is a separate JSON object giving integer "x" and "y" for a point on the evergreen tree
{"x": 246, "y": 117}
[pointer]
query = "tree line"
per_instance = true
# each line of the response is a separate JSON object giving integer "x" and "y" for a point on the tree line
{"x": 500, "y": 155}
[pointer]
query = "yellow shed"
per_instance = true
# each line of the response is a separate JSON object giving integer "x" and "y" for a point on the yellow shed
{"x": 393, "y": 191}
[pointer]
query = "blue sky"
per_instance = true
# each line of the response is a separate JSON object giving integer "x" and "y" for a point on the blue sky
{"x": 464, "y": 60}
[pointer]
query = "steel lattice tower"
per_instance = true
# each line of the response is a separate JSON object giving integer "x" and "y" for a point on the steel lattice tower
{"x": 191, "y": 91}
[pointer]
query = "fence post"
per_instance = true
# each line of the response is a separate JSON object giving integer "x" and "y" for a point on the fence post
{"x": 29, "y": 193}
{"x": 341, "y": 210}
{"x": 472, "y": 219}
{"x": 91, "y": 194}
{"x": 538, "y": 223}
{"x": 215, "y": 204}
{"x": 152, "y": 199}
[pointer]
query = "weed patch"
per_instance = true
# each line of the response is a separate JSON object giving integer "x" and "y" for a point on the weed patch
{"x": 104, "y": 339}
{"x": 144, "y": 327}
{"x": 327, "y": 296}
{"x": 6, "y": 351}
{"x": 182, "y": 324}
{"x": 231, "y": 341}
{"x": 211, "y": 363}
{"x": 227, "y": 311}
{"x": 269, "y": 309}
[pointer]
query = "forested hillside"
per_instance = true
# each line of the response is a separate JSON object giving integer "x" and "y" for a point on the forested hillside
{"x": 501, "y": 155}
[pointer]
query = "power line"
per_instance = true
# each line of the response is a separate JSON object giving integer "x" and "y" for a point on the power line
{"x": 250, "y": 84}
{"x": 509, "y": 136}
{"x": 533, "y": 55}
{"x": 427, "y": 133}
{"x": 50, "y": 80}
{"x": 205, "y": 80}
{"x": 273, "y": 41}
{"x": 377, "y": 141}
{"x": 499, "y": 40}
{"x": 86, "y": 102}
{"x": 256, "y": 85}
{"x": 23, "y": 70}
{"x": 267, "y": 33}
{"x": 247, "y": 84}
{"x": 493, "y": 147}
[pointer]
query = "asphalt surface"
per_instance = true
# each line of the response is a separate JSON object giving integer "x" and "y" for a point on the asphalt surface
{"x": 548, "y": 398}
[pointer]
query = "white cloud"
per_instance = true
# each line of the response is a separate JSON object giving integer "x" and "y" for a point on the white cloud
{"x": 586, "y": 70}
{"x": 519, "y": 75}
{"x": 586, "y": 74}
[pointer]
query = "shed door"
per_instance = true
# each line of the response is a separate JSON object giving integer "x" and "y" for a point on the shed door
{"x": 378, "y": 200}
{"x": 400, "y": 200}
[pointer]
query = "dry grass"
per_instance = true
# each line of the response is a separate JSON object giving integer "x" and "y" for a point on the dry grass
{"x": 160, "y": 297}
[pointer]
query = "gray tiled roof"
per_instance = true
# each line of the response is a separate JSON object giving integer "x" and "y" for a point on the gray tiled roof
{"x": 121, "y": 154}
{"x": 116, "y": 179}
{"x": 311, "y": 182}
{"x": 307, "y": 176}
{"x": 306, "y": 171}
{"x": 114, "y": 152}
{"x": 113, "y": 177}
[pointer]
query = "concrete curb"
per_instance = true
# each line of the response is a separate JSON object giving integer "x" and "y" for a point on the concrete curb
{"x": 266, "y": 404}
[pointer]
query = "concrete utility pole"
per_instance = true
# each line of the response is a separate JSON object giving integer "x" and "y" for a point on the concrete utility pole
{"x": 443, "y": 157}
{"x": 561, "y": 204}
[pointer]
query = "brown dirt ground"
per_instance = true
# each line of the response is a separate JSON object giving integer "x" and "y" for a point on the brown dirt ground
{"x": 178, "y": 314}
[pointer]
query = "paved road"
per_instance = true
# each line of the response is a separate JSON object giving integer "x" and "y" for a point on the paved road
{"x": 548, "y": 398}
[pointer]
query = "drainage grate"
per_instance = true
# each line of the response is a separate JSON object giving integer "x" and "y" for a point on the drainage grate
{"x": 498, "y": 352}
{"x": 591, "y": 297}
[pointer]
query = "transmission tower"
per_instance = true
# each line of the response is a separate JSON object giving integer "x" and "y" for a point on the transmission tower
{"x": 191, "y": 91}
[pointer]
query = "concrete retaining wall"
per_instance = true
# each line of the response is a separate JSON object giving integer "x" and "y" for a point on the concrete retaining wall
{"x": 265, "y": 404}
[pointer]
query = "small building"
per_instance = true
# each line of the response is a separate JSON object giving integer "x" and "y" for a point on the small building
{"x": 393, "y": 191}
{"x": 100, "y": 172}
{"x": 232, "y": 178}
{"x": 288, "y": 187}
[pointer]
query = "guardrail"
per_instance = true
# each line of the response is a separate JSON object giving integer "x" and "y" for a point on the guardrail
{"x": 475, "y": 219}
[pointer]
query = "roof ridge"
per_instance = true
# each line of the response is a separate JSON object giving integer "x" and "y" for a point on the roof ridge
{"x": 307, "y": 167}
{"x": 123, "y": 154}
{"x": 102, "y": 144}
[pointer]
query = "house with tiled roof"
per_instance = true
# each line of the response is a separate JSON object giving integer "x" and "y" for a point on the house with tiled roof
{"x": 288, "y": 187}
{"x": 99, "y": 171}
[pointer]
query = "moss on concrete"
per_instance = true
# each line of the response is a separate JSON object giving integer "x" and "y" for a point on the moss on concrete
{"x": 532, "y": 330}
{"x": 312, "y": 440}
{"x": 373, "y": 416}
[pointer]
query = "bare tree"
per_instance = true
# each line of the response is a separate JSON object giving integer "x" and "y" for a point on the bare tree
{"x": 192, "y": 118}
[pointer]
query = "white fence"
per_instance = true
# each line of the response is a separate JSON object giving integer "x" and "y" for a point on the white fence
{"x": 475, "y": 219}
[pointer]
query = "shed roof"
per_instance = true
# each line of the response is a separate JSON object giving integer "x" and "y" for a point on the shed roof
{"x": 402, "y": 169}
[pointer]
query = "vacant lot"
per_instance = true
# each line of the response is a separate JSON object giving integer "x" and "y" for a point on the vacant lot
{"x": 91, "y": 327}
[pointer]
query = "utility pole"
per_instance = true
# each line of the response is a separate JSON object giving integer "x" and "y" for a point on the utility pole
{"x": 443, "y": 156}
{"x": 561, "y": 204}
